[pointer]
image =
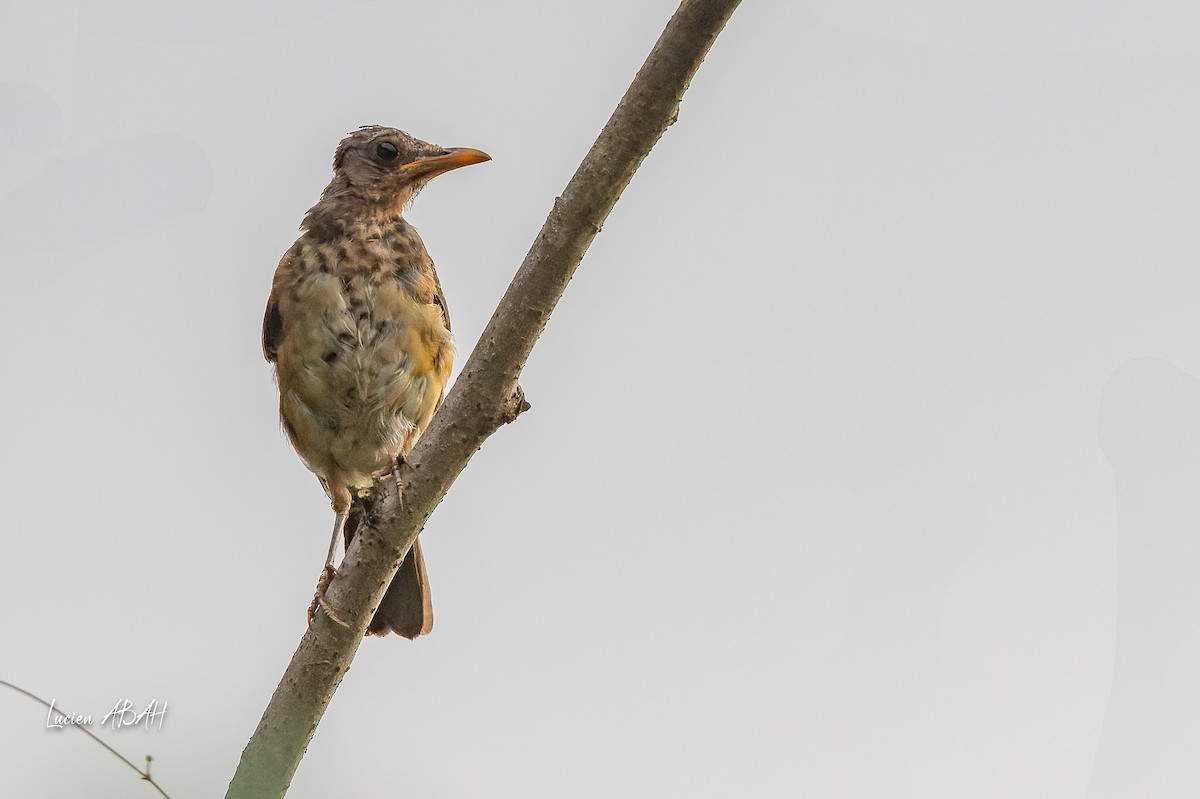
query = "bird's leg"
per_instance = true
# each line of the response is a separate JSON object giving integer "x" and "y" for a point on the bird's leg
{"x": 341, "y": 509}
{"x": 400, "y": 461}
{"x": 339, "y": 531}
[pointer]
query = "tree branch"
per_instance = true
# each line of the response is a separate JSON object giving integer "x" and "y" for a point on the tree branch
{"x": 484, "y": 397}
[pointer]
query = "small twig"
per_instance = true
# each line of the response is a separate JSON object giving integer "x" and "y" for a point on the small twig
{"x": 145, "y": 775}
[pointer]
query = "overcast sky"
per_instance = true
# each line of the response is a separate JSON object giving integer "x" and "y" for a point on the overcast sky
{"x": 864, "y": 458}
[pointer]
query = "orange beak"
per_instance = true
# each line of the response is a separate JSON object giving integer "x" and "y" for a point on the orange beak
{"x": 453, "y": 158}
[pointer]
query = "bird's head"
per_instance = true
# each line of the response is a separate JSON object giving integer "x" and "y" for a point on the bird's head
{"x": 387, "y": 167}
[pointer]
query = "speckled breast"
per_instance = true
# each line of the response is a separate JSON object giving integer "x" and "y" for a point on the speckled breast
{"x": 367, "y": 356}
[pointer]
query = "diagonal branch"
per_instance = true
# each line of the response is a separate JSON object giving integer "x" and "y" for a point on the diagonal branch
{"x": 485, "y": 396}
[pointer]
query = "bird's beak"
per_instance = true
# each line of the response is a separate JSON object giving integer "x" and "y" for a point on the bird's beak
{"x": 451, "y": 158}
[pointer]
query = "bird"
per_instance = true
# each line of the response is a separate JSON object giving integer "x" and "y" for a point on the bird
{"x": 358, "y": 331}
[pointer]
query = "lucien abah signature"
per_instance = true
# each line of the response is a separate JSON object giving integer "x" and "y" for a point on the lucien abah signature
{"x": 124, "y": 714}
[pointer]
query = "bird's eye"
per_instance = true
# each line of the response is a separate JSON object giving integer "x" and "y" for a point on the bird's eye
{"x": 387, "y": 152}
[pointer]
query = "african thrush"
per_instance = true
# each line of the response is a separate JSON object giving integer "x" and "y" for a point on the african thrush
{"x": 357, "y": 328}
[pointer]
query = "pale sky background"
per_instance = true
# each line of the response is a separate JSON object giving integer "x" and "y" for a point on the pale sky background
{"x": 864, "y": 458}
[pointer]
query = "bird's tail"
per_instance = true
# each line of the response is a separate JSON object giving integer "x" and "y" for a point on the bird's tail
{"x": 406, "y": 608}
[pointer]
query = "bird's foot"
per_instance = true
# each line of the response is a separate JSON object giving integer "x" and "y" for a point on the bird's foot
{"x": 320, "y": 601}
{"x": 394, "y": 471}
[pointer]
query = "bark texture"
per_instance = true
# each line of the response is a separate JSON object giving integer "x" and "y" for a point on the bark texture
{"x": 485, "y": 396}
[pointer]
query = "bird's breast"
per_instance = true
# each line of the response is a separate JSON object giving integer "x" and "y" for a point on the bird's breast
{"x": 362, "y": 367}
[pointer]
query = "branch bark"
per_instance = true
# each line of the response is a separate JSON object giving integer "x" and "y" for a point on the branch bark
{"x": 485, "y": 396}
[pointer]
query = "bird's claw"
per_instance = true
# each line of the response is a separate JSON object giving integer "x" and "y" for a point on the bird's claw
{"x": 320, "y": 601}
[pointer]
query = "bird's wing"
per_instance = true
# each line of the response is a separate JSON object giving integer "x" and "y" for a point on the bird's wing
{"x": 272, "y": 330}
{"x": 439, "y": 299}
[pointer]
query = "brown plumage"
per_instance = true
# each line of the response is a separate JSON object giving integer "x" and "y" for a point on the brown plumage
{"x": 358, "y": 330}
